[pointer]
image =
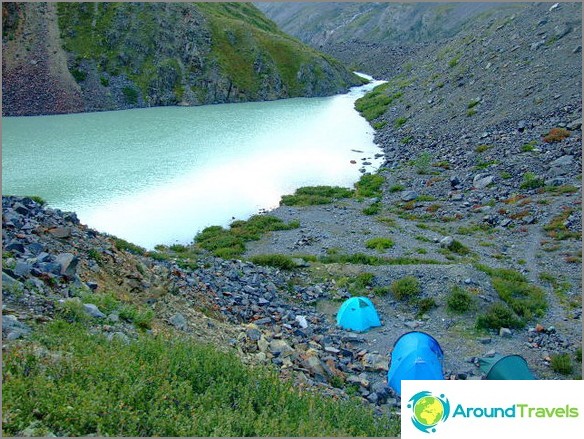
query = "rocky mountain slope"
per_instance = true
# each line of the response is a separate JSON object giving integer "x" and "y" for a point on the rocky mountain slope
{"x": 326, "y": 24}
{"x": 70, "y": 57}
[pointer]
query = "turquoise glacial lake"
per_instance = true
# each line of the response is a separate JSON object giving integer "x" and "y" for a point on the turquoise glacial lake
{"x": 160, "y": 175}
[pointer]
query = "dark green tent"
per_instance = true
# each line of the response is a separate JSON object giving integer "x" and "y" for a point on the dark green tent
{"x": 510, "y": 367}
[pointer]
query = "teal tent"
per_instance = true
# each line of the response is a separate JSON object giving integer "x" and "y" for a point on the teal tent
{"x": 510, "y": 367}
{"x": 415, "y": 356}
{"x": 358, "y": 314}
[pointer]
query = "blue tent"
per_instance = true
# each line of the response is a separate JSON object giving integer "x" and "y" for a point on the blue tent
{"x": 358, "y": 314}
{"x": 415, "y": 356}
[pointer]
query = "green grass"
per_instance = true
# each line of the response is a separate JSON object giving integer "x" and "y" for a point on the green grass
{"x": 363, "y": 259}
{"x": 458, "y": 248}
{"x": 531, "y": 181}
{"x": 396, "y": 188}
{"x": 131, "y": 95}
{"x": 423, "y": 162}
{"x": 497, "y": 316}
{"x": 557, "y": 228}
{"x": 562, "y": 363}
{"x": 482, "y": 148}
{"x": 375, "y": 103}
{"x": 459, "y": 300}
{"x": 315, "y": 195}
{"x": 561, "y": 190}
{"x": 357, "y": 285}
{"x": 529, "y": 146}
{"x": 407, "y": 288}
{"x": 72, "y": 310}
{"x": 160, "y": 386}
{"x": 283, "y": 262}
{"x": 123, "y": 245}
{"x": 379, "y": 244}
{"x": 526, "y": 300}
{"x": 372, "y": 209}
{"x": 400, "y": 121}
{"x": 230, "y": 243}
{"x": 37, "y": 199}
{"x": 369, "y": 185}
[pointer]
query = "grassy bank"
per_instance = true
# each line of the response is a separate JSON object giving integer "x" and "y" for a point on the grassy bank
{"x": 69, "y": 382}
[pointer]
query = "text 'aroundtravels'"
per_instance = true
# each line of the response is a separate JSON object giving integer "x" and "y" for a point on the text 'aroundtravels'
{"x": 516, "y": 411}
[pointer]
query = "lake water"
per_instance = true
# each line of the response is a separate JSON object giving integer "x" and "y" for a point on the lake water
{"x": 160, "y": 175}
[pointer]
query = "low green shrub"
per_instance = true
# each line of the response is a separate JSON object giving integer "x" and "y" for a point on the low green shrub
{"x": 524, "y": 299}
{"x": 283, "y": 262}
{"x": 499, "y": 316}
{"x": 406, "y": 288}
{"x": 372, "y": 209}
{"x": 166, "y": 386}
{"x": 379, "y": 244}
{"x": 562, "y": 363}
{"x": 400, "y": 121}
{"x": 315, "y": 195}
{"x": 424, "y": 305}
{"x": 369, "y": 185}
{"x": 531, "y": 181}
{"x": 459, "y": 300}
{"x": 123, "y": 245}
{"x": 131, "y": 95}
{"x": 230, "y": 243}
{"x": 458, "y": 248}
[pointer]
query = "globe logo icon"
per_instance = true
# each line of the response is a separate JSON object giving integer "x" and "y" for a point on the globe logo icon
{"x": 428, "y": 411}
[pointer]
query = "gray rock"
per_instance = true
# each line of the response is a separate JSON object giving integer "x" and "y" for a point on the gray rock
{"x": 565, "y": 160}
{"x": 253, "y": 334}
{"x": 561, "y": 30}
{"x": 9, "y": 280}
{"x": 68, "y": 263}
{"x": 506, "y": 222}
{"x": 280, "y": 347}
{"x": 446, "y": 241}
{"x": 12, "y": 328}
{"x": 505, "y": 333}
{"x": 22, "y": 269}
{"x": 35, "y": 248}
{"x": 409, "y": 195}
{"x": 114, "y": 318}
{"x": 575, "y": 125}
{"x": 61, "y": 232}
{"x": 301, "y": 321}
{"x": 263, "y": 321}
{"x": 179, "y": 322}
{"x": 14, "y": 246}
{"x": 119, "y": 336}
{"x": 556, "y": 181}
{"x": 481, "y": 181}
{"x": 20, "y": 208}
{"x": 93, "y": 311}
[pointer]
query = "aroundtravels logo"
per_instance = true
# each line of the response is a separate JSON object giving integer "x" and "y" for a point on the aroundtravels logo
{"x": 428, "y": 410}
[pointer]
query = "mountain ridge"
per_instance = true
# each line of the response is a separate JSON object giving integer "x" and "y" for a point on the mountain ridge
{"x": 72, "y": 57}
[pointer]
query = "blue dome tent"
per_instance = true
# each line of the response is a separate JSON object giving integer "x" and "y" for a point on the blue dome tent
{"x": 358, "y": 314}
{"x": 415, "y": 356}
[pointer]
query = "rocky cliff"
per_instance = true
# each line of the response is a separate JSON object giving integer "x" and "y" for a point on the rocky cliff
{"x": 71, "y": 57}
